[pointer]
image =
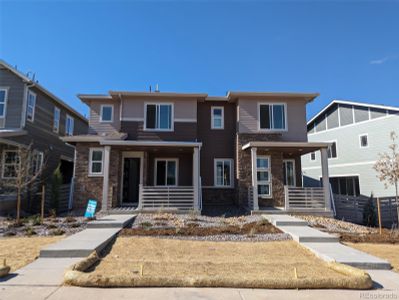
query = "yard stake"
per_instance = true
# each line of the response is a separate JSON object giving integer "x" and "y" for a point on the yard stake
{"x": 379, "y": 214}
{"x": 141, "y": 270}
{"x": 42, "y": 203}
{"x": 295, "y": 272}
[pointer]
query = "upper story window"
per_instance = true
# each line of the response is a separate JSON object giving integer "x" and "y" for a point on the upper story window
{"x": 69, "y": 124}
{"x": 3, "y": 102}
{"x": 56, "y": 121}
{"x": 217, "y": 121}
{"x": 10, "y": 164}
{"x": 332, "y": 150}
{"x": 107, "y": 113}
{"x": 272, "y": 116}
{"x": 364, "y": 141}
{"x": 159, "y": 117}
{"x": 31, "y": 105}
{"x": 313, "y": 156}
{"x": 223, "y": 172}
{"x": 96, "y": 161}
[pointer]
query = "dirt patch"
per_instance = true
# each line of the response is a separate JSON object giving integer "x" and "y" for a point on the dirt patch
{"x": 20, "y": 251}
{"x": 193, "y": 229}
{"x": 144, "y": 261}
{"x": 384, "y": 251}
{"x": 387, "y": 237}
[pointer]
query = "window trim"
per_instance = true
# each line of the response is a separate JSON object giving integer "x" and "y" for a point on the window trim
{"x": 101, "y": 113}
{"x": 175, "y": 159}
{"x": 360, "y": 140}
{"x": 5, "y": 89}
{"x": 215, "y": 161}
{"x": 272, "y": 119}
{"x": 66, "y": 125}
{"x": 269, "y": 182}
{"x": 56, "y": 129}
{"x": 172, "y": 117}
{"x": 336, "y": 150}
{"x": 212, "y": 117}
{"x": 3, "y": 162}
{"x": 96, "y": 174}
{"x": 39, "y": 154}
{"x": 27, "y": 106}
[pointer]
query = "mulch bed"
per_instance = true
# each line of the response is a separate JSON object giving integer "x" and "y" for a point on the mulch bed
{"x": 193, "y": 229}
{"x": 387, "y": 237}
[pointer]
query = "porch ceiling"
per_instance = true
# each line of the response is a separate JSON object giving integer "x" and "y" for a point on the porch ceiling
{"x": 300, "y": 148}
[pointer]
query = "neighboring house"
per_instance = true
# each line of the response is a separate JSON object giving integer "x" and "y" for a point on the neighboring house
{"x": 30, "y": 114}
{"x": 154, "y": 151}
{"x": 358, "y": 132}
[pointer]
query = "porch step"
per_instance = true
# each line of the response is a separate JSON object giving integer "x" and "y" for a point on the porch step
{"x": 285, "y": 220}
{"x": 305, "y": 234}
{"x": 112, "y": 221}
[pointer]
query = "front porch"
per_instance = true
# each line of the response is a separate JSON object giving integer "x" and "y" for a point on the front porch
{"x": 275, "y": 183}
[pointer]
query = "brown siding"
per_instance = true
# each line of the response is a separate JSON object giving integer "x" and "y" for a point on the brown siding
{"x": 183, "y": 131}
{"x": 95, "y": 126}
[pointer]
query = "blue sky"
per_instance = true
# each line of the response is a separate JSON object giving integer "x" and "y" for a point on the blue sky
{"x": 343, "y": 50}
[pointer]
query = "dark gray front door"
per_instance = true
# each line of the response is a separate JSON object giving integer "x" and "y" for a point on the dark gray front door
{"x": 131, "y": 180}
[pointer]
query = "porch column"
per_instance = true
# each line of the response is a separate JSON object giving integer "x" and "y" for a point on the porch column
{"x": 325, "y": 178}
{"x": 196, "y": 186}
{"x": 254, "y": 179}
{"x": 104, "y": 203}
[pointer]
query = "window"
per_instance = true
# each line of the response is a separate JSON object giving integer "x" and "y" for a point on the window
{"x": 3, "y": 102}
{"x": 313, "y": 156}
{"x": 263, "y": 176}
{"x": 69, "y": 125}
{"x": 56, "y": 121}
{"x": 332, "y": 150}
{"x": 272, "y": 117}
{"x": 107, "y": 113}
{"x": 37, "y": 162}
{"x": 31, "y": 104}
{"x": 10, "y": 164}
{"x": 364, "y": 141}
{"x": 217, "y": 121}
{"x": 96, "y": 161}
{"x": 223, "y": 170}
{"x": 289, "y": 172}
{"x": 159, "y": 117}
{"x": 166, "y": 171}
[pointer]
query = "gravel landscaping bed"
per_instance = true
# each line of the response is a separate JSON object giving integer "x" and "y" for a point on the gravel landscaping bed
{"x": 205, "y": 228}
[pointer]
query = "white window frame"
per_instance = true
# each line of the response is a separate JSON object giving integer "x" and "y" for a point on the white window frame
{"x": 310, "y": 156}
{"x": 33, "y": 108}
{"x": 213, "y": 117}
{"x": 176, "y": 160}
{"x": 101, "y": 113}
{"x": 158, "y": 104}
{"x": 336, "y": 148}
{"x": 5, "y": 89}
{"x": 56, "y": 121}
{"x": 294, "y": 169}
{"x": 360, "y": 140}
{"x": 67, "y": 132}
{"x": 38, "y": 155}
{"x": 3, "y": 163}
{"x": 91, "y": 173}
{"x": 223, "y": 160}
{"x": 271, "y": 117}
{"x": 264, "y": 182}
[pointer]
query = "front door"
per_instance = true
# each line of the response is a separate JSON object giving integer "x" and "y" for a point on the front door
{"x": 131, "y": 180}
{"x": 289, "y": 172}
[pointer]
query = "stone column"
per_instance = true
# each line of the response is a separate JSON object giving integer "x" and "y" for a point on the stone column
{"x": 196, "y": 178}
{"x": 104, "y": 203}
{"x": 254, "y": 178}
{"x": 325, "y": 178}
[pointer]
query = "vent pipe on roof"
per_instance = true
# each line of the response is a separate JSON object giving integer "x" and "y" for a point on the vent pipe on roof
{"x": 150, "y": 89}
{"x": 157, "y": 88}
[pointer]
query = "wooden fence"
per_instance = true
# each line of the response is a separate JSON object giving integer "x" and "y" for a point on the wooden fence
{"x": 350, "y": 209}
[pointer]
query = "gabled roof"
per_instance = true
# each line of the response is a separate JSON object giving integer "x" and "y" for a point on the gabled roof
{"x": 362, "y": 104}
{"x": 26, "y": 79}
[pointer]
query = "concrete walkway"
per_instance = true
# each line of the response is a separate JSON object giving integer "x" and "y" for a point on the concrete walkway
{"x": 44, "y": 276}
{"x": 326, "y": 246}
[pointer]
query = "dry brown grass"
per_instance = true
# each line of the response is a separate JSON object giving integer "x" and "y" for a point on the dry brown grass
{"x": 20, "y": 251}
{"x": 145, "y": 261}
{"x": 389, "y": 252}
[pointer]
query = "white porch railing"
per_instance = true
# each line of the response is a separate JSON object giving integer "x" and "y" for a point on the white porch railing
{"x": 166, "y": 197}
{"x": 304, "y": 198}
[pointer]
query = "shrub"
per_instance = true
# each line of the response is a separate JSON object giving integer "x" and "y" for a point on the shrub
{"x": 36, "y": 220}
{"x": 369, "y": 213}
{"x": 29, "y": 231}
{"x": 146, "y": 224}
{"x": 57, "y": 232}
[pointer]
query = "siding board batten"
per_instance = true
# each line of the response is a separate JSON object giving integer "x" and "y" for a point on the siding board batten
{"x": 104, "y": 202}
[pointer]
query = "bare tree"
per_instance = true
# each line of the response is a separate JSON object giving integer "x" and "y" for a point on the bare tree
{"x": 387, "y": 167}
{"x": 22, "y": 168}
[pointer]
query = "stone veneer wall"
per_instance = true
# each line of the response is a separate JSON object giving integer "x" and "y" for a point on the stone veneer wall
{"x": 244, "y": 172}
{"x": 219, "y": 197}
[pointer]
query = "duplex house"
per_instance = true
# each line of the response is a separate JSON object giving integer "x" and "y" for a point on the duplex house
{"x": 357, "y": 133}
{"x": 157, "y": 150}
{"x": 30, "y": 114}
